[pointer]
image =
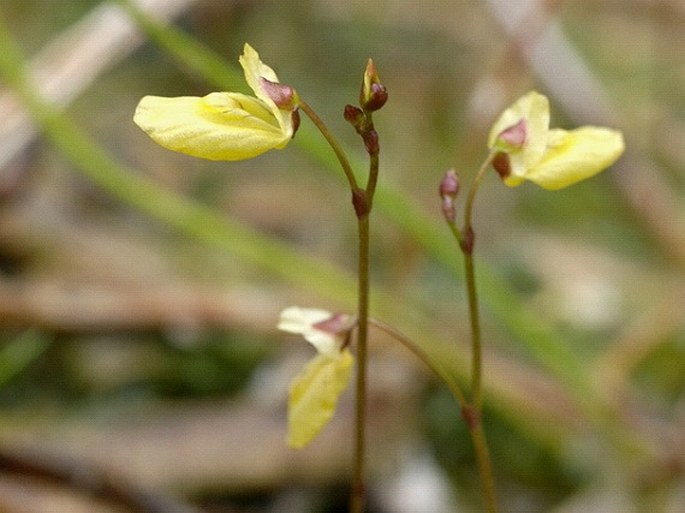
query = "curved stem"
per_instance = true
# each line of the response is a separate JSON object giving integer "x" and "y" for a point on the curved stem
{"x": 333, "y": 142}
{"x": 468, "y": 209}
{"x": 416, "y": 350}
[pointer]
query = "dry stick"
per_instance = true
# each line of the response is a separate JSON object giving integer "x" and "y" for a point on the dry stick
{"x": 90, "y": 481}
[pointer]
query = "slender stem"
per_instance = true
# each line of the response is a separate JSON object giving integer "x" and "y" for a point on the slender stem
{"x": 474, "y": 318}
{"x": 468, "y": 209}
{"x": 480, "y": 445}
{"x": 466, "y": 243}
{"x": 373, "y": 179}
{"x": 358, "y": 488}
{"x": 472, "y": 411}
{"x": 333, "y": 142}
{"x": 362, "y": 200}
{"x": 416, "y": 350}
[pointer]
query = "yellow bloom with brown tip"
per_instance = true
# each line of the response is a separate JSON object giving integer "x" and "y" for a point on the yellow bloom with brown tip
{"x": 222, "y": 125}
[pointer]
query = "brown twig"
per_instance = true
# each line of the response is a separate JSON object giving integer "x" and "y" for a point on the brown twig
{"x": 91, "y": 481}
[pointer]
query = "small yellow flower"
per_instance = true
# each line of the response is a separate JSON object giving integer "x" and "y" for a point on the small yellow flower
{"x": 314, "y": 392}
{"x": 552, "y": 158}
{"x": 223, "y": 125}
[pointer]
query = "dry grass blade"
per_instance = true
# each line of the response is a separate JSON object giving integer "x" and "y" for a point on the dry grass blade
{"x": 70, "y": 63}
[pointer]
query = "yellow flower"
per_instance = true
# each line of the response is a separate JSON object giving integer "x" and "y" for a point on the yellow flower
{"x": 552, "y": 158}
{"x": 224, "y": 126}
{"x": 314, "y": 392}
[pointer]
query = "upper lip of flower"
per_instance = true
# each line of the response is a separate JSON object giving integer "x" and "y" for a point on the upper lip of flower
{"x": 255, "y": 71}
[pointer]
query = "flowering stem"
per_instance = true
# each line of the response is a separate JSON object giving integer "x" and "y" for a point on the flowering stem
{"x": 358, "y": 494}
{"x": 363, "y": 202}
{"x": 466, "y": 245}
{"x": 472, "y": 409}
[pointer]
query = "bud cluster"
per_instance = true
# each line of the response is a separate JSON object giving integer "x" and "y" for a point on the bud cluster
{"x": 372, "y": 97}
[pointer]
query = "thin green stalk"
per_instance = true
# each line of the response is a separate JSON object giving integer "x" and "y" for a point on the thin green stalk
{"x": 358, "y": 495}
{"x": 476, "y": 345}
{"x": 333, "y": 143}
{"x": 440, "y": 372}
{"x": 480, "y": 445}
{"x": 472, "y": 411}
{"x": 466, "y": 243}
{"x": 362, "y": 200}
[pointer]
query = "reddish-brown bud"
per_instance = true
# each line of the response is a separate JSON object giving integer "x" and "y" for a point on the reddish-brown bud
{"x": 373, "y": 94}
{"x": 354, "y": 116}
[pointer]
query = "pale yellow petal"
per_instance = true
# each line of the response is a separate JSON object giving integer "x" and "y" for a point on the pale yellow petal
{"x": 533, "y": 107}
{"x": 301, "y": 321}
{"x": 255, "y": 70}
{"x": 576, "y": 155}
{"x": 219, "y": 126}
{"x": 314, "y": 395}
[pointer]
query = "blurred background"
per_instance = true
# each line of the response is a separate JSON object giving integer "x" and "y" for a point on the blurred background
{"x": 140, "y": 289}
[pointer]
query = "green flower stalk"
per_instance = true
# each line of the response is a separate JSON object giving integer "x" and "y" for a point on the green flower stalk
{"x": 234, "y": 126}
{"x": 522, "y": 147}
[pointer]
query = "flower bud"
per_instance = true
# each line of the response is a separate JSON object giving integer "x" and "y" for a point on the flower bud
{"x": 449, "y": 188}
{"x": 449, "y": 185}
{"x": 373, "y": 94}
{"x": 354, "y": 116}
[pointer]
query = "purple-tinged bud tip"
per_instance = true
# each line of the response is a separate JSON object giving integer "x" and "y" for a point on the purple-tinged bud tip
{"x": 282, "y": 95}
{"x": 449, "y": 185}
{"x": 373, "y": 94}
{"x": 449, "y": 188}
